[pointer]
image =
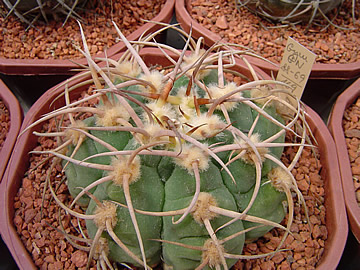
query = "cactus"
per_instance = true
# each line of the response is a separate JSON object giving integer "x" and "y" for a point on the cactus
{"x": 177, "y": 164}
{"x": 294, "y": 11}
{"x": 30, "y": 11}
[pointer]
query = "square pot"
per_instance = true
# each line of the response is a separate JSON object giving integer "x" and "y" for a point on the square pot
{"x": 347, "y": 98}
{"x": 336, "y": 221}
{"x": 319, "y": 70}
{"x": 64, "y": 67}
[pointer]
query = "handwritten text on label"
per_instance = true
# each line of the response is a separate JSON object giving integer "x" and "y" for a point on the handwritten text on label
{"x": 295, "y": 67}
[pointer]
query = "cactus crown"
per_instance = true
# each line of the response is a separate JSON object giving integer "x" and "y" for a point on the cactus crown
{"x": 173, "y": 162}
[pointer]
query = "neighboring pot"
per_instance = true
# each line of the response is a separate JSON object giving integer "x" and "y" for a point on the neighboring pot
{"x": 57, "y": 66}
{"x": 319, "y": 70}
{"x": 348, "y": 97}
{"x": 335, "y": 215}
{"x": 16, "y": 116}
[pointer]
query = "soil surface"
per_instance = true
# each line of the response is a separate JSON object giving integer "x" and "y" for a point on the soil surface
{"x": 240, "y": 26}
{"x": 4, "y": 123}
{"x": 54, "y": 41}
{"x": 351, "y": 126}
{"x": 40, "y": 221}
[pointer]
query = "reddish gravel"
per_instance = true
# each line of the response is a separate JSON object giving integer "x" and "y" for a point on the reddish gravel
{"x": 243, "y": 27}
{"x": 56, "y": 42}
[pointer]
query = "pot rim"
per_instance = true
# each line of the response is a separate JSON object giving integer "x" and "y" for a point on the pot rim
{"x": 343, "y": 101}
{"x": 16, "y": 116}
{"x": 337, "y": 226}
{"x": 65, "y": 66}
{"x": 318, "y": 71}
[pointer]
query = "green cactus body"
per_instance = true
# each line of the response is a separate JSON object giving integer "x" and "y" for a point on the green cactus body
{"x": 268, "y": 205}
{"x": 242, "y": 117}
{"x": 242, "y": 170}
{"x": 80, "y": 176}
{"x": 178, "y": 194}
{"x": 183, "y": 176}
{"x": 266, "y": 129}
{"x": 147, "y": 194}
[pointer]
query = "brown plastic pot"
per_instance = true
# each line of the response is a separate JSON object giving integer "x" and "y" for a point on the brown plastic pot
{"x": 347, "y": 98}
{"x": 16, "y": 116}
{"x": 335, "y": 215}
{"x": 319, "y": 70}
{"x": 60, "y": 67}
{"x": 336, "y": 220}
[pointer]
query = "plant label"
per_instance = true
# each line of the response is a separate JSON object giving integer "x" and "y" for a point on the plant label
{"x": 295, "y": 68}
